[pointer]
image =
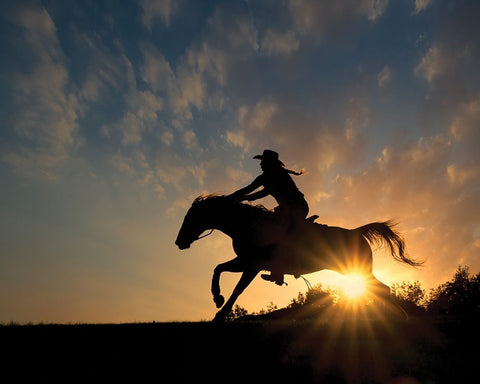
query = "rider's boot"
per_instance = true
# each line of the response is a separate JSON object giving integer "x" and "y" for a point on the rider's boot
{"x": 274, "y": 277}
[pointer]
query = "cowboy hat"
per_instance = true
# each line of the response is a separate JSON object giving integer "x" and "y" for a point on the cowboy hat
{"x": 269, "y": 156}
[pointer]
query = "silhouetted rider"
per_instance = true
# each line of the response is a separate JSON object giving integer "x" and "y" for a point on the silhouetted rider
{"x": 277, "y": 182}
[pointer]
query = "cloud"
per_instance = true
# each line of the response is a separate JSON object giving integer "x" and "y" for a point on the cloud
{"x": 450, "y": 61}
{"x": 421, "y": 5}
{"x": 237, "y": 175}
{"x": 178, "y": 92}
{"x": 167, "y": 137}
{"x": 437, "y": 62}
{"x": 449, "y": 68}
{"x": 141, "y": 116}
{"x": 104, "y": 68}
{"x": 188, "y": 176}
{"x": 384, "y": 77}
{"x": 229, "y": 39}
{"x": 197, "y": 79}
{"x": 373, "y": 8}
{"x": 124, "y": 164}
{"x": 47, "y": 126}
{"x": 465, "y": 125}
{"x": 163, "y": 9}
{"x": 190, "y": 139}
{"x": 192, "y": 84}
{"x": 257, "y": 118}
{"x": 417, "y": 184}
{"x": 135, "y": 169}
{"x": 466, "y": 137}
{"x": 275, "y": 42}
{"x": 252, "y": 124}
{"x": 401, "y": 179}
{"x": 320, "y": 144}
{"x": 112, "y": 75}
{"x": 238, "y": 139}
{"x": 171, "y": 170}
{"x": 318, "y": 19}
{"x": 458, "y": 174}
{"x": 157, "y": 72}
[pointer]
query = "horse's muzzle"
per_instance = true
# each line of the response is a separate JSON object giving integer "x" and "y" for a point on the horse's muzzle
{"x": 181, "y": 245}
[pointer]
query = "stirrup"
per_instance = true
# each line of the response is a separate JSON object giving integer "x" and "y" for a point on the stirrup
{"x": 277, "y": 280}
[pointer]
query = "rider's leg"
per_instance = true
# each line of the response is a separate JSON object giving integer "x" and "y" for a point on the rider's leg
{"x": 293, "y": 217}
{"x": 275, "y": 275}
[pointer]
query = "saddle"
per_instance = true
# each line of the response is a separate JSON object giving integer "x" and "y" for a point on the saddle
{"x": 311, "y": 219}
{"x": 308, "y": 222}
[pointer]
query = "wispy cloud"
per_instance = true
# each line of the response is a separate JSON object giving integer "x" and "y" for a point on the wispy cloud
{"x": 253, "y": 122}
{"x": 384, "y": 77}
{"x": 47, "y": 126}
{"x": 162, "y": 9}
{"x": 435, "y": 63}
{"x": 318, "y": 19}
{"x": 421, "y": 5}
{"x": 280, "y": 43}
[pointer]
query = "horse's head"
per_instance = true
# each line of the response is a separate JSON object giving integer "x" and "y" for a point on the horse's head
{"x": 198, "y": 219}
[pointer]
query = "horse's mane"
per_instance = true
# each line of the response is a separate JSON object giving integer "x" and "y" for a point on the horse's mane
{"x": 205, "y": 196}
{"x": 211, "y": 197}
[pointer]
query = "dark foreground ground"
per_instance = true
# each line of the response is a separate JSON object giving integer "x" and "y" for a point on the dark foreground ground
{"x": 274, "y": 351}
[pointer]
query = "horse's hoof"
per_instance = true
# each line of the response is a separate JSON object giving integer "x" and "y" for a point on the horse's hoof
{"x": 219, "y": 300}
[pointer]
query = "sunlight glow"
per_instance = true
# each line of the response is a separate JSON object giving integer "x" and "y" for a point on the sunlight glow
{"x": 353, "y": 286}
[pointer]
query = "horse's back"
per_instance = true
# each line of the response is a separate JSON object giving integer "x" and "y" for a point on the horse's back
{"x": 320, "y": 247}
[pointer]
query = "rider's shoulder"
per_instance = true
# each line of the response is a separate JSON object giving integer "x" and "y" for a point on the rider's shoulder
{"x": 260, "y": 178}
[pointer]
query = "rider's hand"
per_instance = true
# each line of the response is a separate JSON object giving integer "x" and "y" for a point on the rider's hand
{"x": 235, "y": 197}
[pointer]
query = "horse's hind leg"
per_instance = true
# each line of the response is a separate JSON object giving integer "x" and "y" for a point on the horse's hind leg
{"x": 379, "y": 290}
{"x": 233, "y": 265}
{"x": 381, "y": 293}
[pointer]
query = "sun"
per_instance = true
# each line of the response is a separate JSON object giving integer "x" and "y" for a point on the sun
{"x": 353, "y": 286}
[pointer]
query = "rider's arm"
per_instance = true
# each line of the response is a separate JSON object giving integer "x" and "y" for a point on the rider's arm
{"x": 243, "y": 192}
{"x": 257, "y": 195}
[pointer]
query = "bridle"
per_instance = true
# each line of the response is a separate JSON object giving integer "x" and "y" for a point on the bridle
{"x": 207, "y": 234}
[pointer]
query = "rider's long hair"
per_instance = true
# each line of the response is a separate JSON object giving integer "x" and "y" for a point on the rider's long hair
{"x": 277, "y": 163}
{"x": 292, "y": 172}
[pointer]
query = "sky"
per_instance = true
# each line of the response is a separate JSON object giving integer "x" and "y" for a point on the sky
{"x": 115, "y": 115}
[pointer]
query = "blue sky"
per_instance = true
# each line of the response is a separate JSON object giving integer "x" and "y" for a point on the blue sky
{"x": 116, "y": 115}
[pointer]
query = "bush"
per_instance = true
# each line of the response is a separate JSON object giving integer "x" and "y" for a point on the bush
{"x": 459, "y": 297}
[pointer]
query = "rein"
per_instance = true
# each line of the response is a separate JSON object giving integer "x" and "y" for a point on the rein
{"x": 207, "y": 234}
{"x": 309, "y": 286}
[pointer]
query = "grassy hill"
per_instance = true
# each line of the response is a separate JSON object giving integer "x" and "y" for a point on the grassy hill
{"x": 255, "y": 351}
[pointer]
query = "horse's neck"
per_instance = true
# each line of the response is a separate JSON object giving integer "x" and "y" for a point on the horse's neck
{"x": 229, "y": 220}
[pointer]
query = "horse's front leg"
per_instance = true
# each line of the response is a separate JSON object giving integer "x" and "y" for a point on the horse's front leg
{"x": 245, "y": 280}
{"x": 233, "y": 265}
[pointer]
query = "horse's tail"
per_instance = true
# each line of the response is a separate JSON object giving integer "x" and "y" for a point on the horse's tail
{"x": 384, "y": 233}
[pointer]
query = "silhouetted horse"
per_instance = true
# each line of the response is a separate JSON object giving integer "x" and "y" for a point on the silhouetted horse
{"x": 262, "y": 243}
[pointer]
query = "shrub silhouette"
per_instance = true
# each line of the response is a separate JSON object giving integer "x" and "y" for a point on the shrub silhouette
{"x": 411, "y": 297}
{"x": 409, "y": 293}
{"x": 316, "y": 296}
{"x": 458, "y": 298}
